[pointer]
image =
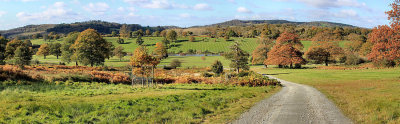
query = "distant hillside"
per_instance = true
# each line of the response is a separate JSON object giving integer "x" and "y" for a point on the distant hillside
{"x": 252, "y": 22}
{"x": 101, "y": 26}
{"x": 107, "y": 27}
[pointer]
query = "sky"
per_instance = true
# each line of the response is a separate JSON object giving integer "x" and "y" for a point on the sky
{"x": 186, "y": 13}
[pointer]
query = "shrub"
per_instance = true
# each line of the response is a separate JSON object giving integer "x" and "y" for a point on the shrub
{"x": 175, "y": 63}
{"x": 217, "y": 67}
{"x": 206, "y": 74}
{"x": 243, "y": 74}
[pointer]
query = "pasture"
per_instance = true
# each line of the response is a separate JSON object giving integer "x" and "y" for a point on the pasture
{"x": 364, "y": 95}
{"x": 78, "y": 102}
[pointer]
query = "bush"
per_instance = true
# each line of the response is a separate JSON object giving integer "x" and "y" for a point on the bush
{"x": 243, "y": 74}
{"x": 217, "y": 67}
{"x": 352, "y": 59}
{"x": 175, "y": 63}
{"x": 206, "y": 74}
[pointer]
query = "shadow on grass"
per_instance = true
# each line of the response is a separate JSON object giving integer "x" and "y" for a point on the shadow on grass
{"x": 126, "y": 43}
{"x": 275, "y": 74}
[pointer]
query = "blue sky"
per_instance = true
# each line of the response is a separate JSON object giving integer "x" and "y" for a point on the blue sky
{"x": 186, "y": 13}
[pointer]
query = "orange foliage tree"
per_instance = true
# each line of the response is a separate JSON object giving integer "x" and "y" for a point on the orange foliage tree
{"x": 141, "y": 61}
{"x": 386, "y": 39}
{"x": 44, "y": 50}
{"x": 286, "y": 51}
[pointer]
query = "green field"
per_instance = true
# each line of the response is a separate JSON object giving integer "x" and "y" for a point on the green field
{"x": 366, "y": 96}
{"x": 220, "y": 45}
{"x": 73, "y": 102}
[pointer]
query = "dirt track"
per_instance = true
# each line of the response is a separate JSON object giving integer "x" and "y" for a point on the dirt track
{"x": 294, "y": 104}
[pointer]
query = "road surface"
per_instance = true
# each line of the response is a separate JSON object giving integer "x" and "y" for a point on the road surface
{"x": 294, "y": 104}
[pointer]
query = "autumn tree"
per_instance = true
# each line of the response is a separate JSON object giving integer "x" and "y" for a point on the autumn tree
{"x": 325, "y": 52}
{"x": 192, "y": 39}
{"x": 286, "y": 51}
{"x": 91, "y": 48}
{"x": 260, "y": 54}
{"x": 55, "y": 49}
{"x": 141, "y": 61}
{"x": 3, "y": 43}
{"x": 386, "y": 39}
{"x": 44, "y": 50}
{"x": 137, "y": 61}
{"x": 172, "y": 35}
{"x": 217, "y": 67}
{"x": 161, "y": 50}
{"x": 66, "y": 50}
{"x": 119, "y": 52}
{"x": 124, "y": 31}
{"x": 238, "y": 57}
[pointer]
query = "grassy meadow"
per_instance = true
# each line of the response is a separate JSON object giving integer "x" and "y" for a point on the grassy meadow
{"x": 74, "y": 102}
{"x": 214, "y": 45}
{"x": 364, "y": 95}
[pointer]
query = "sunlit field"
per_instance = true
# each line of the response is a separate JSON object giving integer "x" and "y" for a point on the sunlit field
{"x": 364, "y": 95}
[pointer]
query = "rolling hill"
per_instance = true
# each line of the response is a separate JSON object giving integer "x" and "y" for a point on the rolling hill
{"x": 107, "y": 27}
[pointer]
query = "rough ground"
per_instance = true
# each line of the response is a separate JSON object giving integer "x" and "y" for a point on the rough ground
{"x": 294, "y": 104}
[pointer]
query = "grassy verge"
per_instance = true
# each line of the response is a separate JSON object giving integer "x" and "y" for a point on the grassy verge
{"x": 366, "y": 96}
{"x": 108, "y": 103}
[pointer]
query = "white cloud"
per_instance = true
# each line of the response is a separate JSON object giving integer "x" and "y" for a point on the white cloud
{"x": 2, "y": 13}
{"x": 347, "y": 13}
{"x": 331, "y": 3}
{"x": 56, "y": 11}
{"x": 185, "y": 15}
{"x": 97, "y": 8}
{"x": 156, "y": 4}
{"x": 243, "y": 10}
{"x": 202, "y": 6}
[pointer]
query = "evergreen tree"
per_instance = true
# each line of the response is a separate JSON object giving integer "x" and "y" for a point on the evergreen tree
{"x": 238, "y": 57}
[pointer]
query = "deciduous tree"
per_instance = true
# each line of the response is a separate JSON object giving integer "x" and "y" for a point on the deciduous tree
{"x": 44, "y": 50}
{"x": 119, "y": 52}
{"x": 286, "y": 51}
{"x": 66, "y": 50}
{"x": 124, "y": 31}
{"x": 55, "y": 49}
{"x": 91, "y": 48}
{"x": 23, "y": 55}
{"x": 3, "y": 43}
{"x": 161, "y": 50}
{"x": 386, "y": 39}
{"x": 172, "y": 35}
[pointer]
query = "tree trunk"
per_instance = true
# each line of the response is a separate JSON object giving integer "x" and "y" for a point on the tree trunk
{"x": 326, "y": 62}
{"x": 57, "y": 56}
{"x": 44, "y": 57}
{"x": 291, "y": 65}
{"x": 152, "y": 77}
{"x": 76, "y": 63}
{"x": 237, "y": 70}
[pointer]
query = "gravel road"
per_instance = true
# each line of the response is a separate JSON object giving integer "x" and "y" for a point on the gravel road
{"x": 294, "y": 104}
